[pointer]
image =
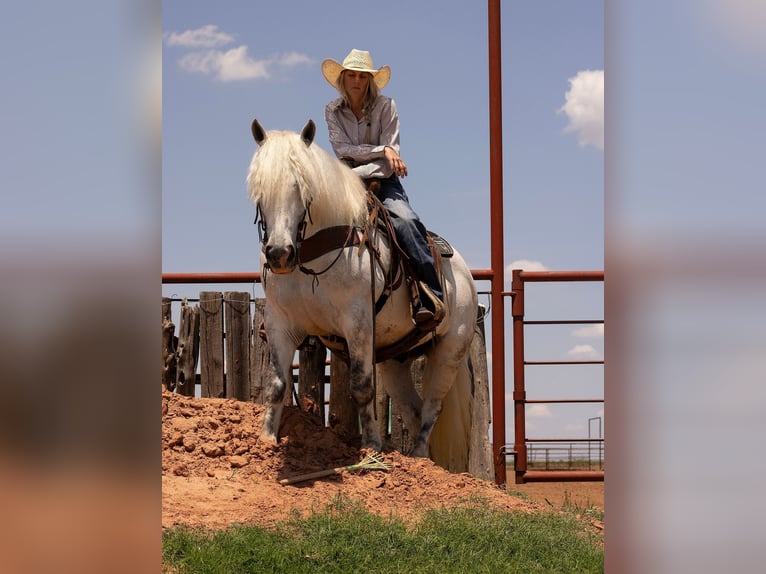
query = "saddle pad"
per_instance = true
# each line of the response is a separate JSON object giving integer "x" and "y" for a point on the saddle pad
{"x": 445, "y": 249}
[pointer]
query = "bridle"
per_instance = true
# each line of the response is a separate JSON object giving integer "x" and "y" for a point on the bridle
{"x": 263, "y": 232}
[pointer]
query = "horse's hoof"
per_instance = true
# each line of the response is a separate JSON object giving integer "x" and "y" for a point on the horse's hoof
{"x": 270, "y": 439}
{"x": 420, "y": 451}
{"x": 376, "y": 446}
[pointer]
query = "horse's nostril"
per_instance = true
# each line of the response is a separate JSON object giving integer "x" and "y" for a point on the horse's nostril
{"x": 280, "y": 257}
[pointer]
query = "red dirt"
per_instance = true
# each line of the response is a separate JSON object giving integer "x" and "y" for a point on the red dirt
{"x": 215, "y": 472}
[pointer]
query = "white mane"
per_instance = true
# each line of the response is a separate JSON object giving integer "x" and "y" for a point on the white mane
{"x": 284, "y": 161}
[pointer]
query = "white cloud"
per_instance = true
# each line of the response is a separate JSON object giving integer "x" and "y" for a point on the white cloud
{"x": 596, "y": 330}
{"x": 583, "y": 352}
{"x": 226, "y": 65}
{"x": 526, "y": 265}
{"x": 206, "y": 37}
{"x": 538, "y": 411}
{"x": 294, "y": 59}
{"x": 233, "y": 64}
{"x": 585, "y": 107}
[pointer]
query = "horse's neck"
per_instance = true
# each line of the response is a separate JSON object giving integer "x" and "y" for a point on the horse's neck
{"x": 323, "y": 216}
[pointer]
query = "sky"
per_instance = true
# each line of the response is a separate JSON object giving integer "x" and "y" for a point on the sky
{"x": 117, "y": 163}
{"x": 222, "y": 67}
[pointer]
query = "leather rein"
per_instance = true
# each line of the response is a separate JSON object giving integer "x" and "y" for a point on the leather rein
{"x": 340, "y": 237}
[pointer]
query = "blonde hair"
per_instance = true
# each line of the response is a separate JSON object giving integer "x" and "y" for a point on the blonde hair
{"x": 369, "y": 97}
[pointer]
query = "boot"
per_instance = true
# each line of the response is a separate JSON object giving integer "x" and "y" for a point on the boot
{"x": 430, "y": 312}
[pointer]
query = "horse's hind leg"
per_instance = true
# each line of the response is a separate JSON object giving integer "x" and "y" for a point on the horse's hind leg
{"x": 439, "y": 376}
{"x": 280, "y": 366}
{"x": 397, "y": 378}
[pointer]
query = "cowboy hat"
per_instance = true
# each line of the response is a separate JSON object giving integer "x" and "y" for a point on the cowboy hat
{"x": 357, "y": 60}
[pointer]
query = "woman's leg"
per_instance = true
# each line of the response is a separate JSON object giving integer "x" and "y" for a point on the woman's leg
{"x": 410, "y": 234}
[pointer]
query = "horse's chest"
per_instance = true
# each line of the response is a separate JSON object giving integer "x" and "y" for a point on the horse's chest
{"x": 314, "y": 307}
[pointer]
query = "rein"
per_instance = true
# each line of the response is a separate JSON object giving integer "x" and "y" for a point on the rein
{"x": 324, "y": 241}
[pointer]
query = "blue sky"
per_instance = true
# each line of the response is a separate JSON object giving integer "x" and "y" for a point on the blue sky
{"x": 224, "y": 66}
{"x": 682, "y": 169}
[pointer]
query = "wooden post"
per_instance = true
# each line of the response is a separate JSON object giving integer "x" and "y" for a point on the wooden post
{"x": 343, "y": 416}
{"x": 211, "y": 344}
{"x": 188, "y": 349}
{"x": 480, "y": 462}
{"x": 311, "y": 378}
{"x": 382, "y": 409}
{"x": 168, "y": 347}
{"x": 259, "y": 354}
{"x": 237, "y": 319}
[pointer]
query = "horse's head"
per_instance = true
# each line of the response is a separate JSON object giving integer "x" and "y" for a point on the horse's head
{"x": 279, "y": 185}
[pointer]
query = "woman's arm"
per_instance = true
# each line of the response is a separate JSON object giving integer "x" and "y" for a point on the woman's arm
{"x": 378, "y": 159}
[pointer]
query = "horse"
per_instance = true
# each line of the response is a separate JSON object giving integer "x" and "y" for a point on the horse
{"x": 299, "y": 191}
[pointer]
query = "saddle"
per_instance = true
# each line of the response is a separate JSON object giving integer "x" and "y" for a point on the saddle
{"x": 347, "y": 236}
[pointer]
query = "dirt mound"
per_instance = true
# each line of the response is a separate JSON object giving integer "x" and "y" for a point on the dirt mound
{"x": 215, "y": 472}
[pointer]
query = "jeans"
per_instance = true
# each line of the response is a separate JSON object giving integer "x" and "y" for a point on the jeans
{"x": 410, "y": 232}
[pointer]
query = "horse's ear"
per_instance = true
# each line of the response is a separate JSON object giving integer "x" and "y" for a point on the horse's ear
{"x": 259, "y": 134}
{"x": 308, "y": 132}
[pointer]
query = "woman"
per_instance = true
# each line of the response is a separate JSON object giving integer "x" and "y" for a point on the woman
{"x": 363, "y": 126}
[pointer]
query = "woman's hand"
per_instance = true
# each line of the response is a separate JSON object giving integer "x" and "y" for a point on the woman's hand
{"x": 397, "y": 164}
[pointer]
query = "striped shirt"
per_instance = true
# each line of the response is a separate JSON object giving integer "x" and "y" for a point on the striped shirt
{"x": 361, "y": 142}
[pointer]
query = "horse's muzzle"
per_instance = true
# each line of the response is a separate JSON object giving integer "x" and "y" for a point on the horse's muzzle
{"x": 280, "y": 260}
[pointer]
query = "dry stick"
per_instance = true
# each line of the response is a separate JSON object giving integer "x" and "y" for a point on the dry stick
{"x": 370, "y": 462}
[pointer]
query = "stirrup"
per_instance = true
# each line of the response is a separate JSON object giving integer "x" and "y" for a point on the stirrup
{"x": 423, "y": 316}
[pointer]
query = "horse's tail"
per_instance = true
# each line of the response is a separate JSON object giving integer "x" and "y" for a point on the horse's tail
{"x": 451, "y": 436}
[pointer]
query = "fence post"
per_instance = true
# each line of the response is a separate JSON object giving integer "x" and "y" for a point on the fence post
{"x": 188, "y": 349}
{"x": 237, "y": 319}
{"x": 343, "y": 416}
{"x": 211, "y": 344}
{"x": 480, "y": 462}
{"x": 259, "y": 354}
{"x": 311, "y": 378}
{"x": 168, "y": 347}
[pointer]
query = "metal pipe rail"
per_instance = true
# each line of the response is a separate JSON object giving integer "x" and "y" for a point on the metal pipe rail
{"x": 255, "y": 277}
{"x": 519, "y": 451}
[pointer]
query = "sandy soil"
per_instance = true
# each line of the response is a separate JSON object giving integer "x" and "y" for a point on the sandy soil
{"x": 215, "y": 472}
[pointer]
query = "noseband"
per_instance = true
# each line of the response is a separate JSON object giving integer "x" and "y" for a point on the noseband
{"x": 263, "y": 232}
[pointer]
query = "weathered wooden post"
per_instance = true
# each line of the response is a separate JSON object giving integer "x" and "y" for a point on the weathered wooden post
{"x": 480, "y": 462}
{"x": 343, "y": 417}
{"x": 312, "y": 359}
{"x": 187, "y": 352}
{"x": 237, "y": 320}
{"x": 259, "y": 354}
{"x": 382, "y": 410}
{"x": 168, "y": 347}
{"x": 211, "y": 343}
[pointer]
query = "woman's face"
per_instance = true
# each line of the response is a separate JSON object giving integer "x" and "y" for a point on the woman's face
{"x": 356, "y": 83}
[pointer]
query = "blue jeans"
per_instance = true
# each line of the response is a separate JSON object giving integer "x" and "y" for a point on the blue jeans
{"x": 410, "y": 232}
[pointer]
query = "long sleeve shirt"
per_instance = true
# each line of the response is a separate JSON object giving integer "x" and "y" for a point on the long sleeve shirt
{"x": 348, "y": 136}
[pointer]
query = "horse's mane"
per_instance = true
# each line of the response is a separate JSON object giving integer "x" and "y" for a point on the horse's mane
{"x": 335, "y": 193}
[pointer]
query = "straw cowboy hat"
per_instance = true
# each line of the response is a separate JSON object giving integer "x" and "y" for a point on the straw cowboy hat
{"x": 358, "y": 60}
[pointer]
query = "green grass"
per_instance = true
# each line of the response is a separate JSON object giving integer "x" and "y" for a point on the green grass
{"x": 588, "y": 510}
{"x": 346, "y": 538}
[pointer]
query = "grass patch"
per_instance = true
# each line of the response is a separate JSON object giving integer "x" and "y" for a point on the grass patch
{"x": 589, "y": 510}
{"x": 345, "y": 537}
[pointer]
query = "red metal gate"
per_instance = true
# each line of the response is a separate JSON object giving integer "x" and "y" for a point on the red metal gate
{"x": 519, "y": 449}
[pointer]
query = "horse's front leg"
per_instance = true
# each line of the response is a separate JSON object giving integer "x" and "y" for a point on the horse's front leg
{"x": 363, "y": 393}
{"x": 281, "y": 351}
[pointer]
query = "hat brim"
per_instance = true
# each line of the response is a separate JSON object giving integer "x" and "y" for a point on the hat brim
{"x": 331, "y": 70}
